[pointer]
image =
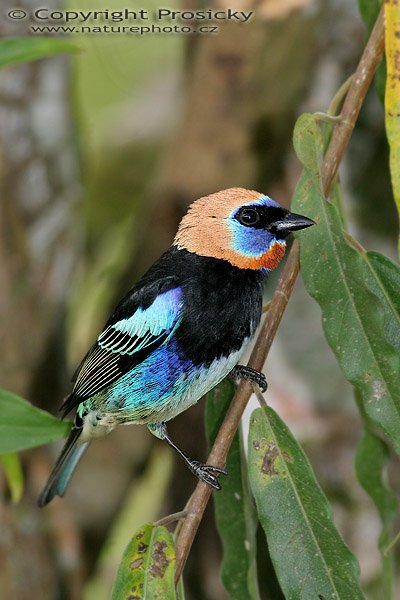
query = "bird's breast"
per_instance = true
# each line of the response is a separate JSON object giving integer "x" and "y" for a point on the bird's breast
{"x": 218, "y": 317}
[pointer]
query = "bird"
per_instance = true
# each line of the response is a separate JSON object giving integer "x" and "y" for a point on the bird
{"x": 181, "y": 329}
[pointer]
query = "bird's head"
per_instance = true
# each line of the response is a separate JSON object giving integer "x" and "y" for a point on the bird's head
{"x": 243, "y": 227}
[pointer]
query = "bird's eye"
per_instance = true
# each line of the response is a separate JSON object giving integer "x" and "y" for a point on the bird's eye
{"x": 248, "y": 216}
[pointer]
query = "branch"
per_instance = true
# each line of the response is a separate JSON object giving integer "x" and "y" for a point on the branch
{"x": 351, "y": 107}
{"x": 358, "y": 89}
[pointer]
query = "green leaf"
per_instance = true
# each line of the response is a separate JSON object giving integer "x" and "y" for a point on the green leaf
{"x": 310, "y": 558}
{"x": 382, "y": 277}
{"x": 23, "y": 426}
{"x": 359, "y": 315}
{"x": 370, "y": 461}
{"x": 236, "y": 519}
{"x": 384, "y": 282}
{"x": 15, "y": 478}
{"x": 20, "y": 49}
{"x": 147, "y": 567}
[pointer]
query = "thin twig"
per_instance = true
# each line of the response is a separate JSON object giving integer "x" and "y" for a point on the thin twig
{"x": 390, "y": 546}
{"x": 340, "y": 138}
{"x": 172, "y": 518}
{"x": 327, "y": 117}
{"x": 259, "y": 395}
{"x": 338, "y": 98}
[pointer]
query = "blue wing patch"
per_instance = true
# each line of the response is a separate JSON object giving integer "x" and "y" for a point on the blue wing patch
{"x": 144, "y": 327}
{"x": 125, "y": 344}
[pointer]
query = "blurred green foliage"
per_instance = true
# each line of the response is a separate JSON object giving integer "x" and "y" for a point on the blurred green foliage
{"x": 143, "y": 502}
{"x": 19, "y": 50}
{"x": 113, "y": 69}
{"x": 13, "y": 472}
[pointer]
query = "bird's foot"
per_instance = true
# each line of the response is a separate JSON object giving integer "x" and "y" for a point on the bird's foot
{"x": 242, "y": 372}
{"x": 207, "y": 473}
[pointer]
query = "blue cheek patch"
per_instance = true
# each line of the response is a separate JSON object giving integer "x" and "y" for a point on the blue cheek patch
{"x": 248, "y": 241}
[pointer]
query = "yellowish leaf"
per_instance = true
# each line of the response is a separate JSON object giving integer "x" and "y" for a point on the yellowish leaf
{"x": 392, "y": 95}
{"x": 13, "y": 471}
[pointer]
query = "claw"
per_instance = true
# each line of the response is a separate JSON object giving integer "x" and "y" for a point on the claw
{"x": 242, "y": 372}
{"x": 213, "y": 482}
{"x": 216, "y": 469}
{"x": 261, "y": 382}
{"x": 205, "y": 473}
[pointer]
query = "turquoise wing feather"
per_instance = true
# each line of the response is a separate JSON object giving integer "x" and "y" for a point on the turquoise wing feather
{"x": 125, "y": 344}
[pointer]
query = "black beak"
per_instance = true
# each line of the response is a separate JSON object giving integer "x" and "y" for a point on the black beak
{"x": 290, "y": 222}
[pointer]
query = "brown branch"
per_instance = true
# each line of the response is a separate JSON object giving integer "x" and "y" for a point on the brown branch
{"x": 340, "y": 138}
{"x": 360, "y": 83}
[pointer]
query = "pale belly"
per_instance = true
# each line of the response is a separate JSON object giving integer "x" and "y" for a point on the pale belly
{"x": 204, "y": 381}
{"x": 149, "y": 405}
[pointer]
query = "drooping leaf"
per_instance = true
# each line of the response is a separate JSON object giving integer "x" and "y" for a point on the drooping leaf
{"x": 235, "y": 516}
{"x": 358, "y": 313}
{"x": 370, "y": 461}
{"x": 392, "y": 92}
{"x": 382, "y": 277}
{"x": 310, "y": 558}
{"x": 23, "y": 426}
{"x": 372, "y": 452}
{"x": 384, "y": 282}
{"x": 15, "y": 478}
{"x": 21, "y": 49}
{"x": 146, "y": 571}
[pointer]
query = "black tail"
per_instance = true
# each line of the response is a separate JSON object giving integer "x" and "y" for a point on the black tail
{"x": 64, "y": 467}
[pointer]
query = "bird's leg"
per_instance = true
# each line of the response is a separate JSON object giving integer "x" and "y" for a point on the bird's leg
{"x": 242, "y": 372}
{"x": 206, "y": 473}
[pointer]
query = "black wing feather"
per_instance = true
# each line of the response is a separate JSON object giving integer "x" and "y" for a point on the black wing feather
{"x": 101, "y": 366}
{"x": 108, "y": 368}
